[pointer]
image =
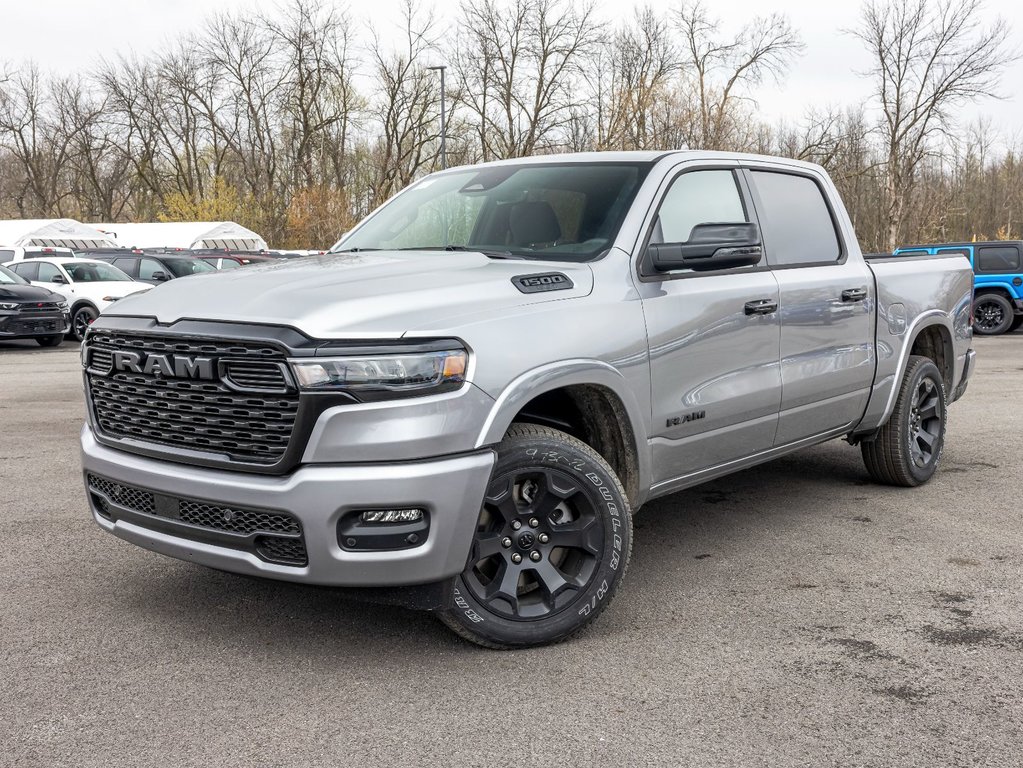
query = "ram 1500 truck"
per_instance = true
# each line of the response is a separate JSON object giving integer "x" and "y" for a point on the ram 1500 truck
{"x": 462, "y": 405}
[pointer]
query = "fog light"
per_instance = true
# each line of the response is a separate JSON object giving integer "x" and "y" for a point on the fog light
{"x": 391, "y": 516}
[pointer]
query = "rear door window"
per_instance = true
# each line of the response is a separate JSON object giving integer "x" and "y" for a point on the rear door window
{"x": 795, "y": 220}
{"x": 998, "y": 258}
{"x": 127, "y": 265}
{"x": 27, "y": 270}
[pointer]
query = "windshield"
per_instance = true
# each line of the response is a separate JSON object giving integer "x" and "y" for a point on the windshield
{"x": 94, "y": 272}
{"x": 9, "y": 278}
{"x": 182, "y": 267}
{"x": 563, "y": 212}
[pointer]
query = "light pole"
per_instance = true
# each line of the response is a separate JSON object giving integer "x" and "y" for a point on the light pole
{"x": 443, "y": 120}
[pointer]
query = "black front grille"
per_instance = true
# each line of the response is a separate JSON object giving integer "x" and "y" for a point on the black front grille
{"x": 39, "y": 307}
{"x": 252, "y": 426}
{"x": 278, "y": 549}
{"x": 241, "y": 526}
{"x": 236, "y": 520}
{"x": 125, "y": 495}
{"x": 35, "y": 325}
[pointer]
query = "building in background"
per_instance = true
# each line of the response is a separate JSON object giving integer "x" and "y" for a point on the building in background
{"x": 184, "y": 234}
{"x": 52, "y": 233}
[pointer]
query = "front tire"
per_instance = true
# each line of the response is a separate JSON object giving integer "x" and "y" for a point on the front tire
{"x": 908, "y": 448}
{"x": 80, "y": 322}
{"x": 50, "y": 341}
{"x": 551, "y": 547}
{"x": 992, "y": 314}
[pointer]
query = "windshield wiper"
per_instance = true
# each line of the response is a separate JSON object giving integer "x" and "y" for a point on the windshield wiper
{"x": 465, "y": 249}
{"x": 355, "y": 250}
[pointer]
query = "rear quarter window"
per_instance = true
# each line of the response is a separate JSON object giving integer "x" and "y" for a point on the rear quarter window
{"x": 998, "y": 258}
{"x": 795, "y": 220}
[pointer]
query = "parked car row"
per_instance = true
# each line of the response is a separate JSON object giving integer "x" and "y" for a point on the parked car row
{"x": 31, "y": 312}
{"x": 87, "y": 281}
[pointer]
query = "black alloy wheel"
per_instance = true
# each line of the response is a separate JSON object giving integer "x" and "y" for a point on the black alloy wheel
{"x": 925, "y": 421}
{"x": 84, "y": 317}
{"x": 907, "y": 449}
{"x": 551, "y": 546}
{"x": 537, "y": 544}
{"x": 992, "y": 314}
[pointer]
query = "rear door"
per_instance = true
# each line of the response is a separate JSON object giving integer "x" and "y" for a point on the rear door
{"x": 827, "y": 304}
{"x": 713, "y": 336}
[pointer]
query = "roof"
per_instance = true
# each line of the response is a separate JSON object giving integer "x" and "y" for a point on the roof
{"x": 638, "y": 156}
{"x": 184, "y": 234}
{"x": 66, "y": 233}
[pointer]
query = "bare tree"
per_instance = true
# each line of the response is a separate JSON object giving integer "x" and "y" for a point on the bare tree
{"x": 517, "y": 66}
{"x": 723, "y": 69}
{"x": 929, "y": 58}
{"x": 408, "y": 107}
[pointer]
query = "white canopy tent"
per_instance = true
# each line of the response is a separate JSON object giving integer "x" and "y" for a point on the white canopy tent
{"x": 185, "y": 234}
{"x": 52, "y": 233}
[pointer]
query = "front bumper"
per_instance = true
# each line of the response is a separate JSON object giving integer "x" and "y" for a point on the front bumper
{"x": 450, "y": 489}
{"x": 26, "y": 326}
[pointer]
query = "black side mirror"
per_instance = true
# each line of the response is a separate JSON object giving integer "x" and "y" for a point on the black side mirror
{"x": 58, "y": 279}
{"x": 710, "y": 246}
{"x": 160, "y": 276}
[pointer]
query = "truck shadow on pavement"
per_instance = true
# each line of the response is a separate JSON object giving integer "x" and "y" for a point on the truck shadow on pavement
{"x": 672, "y": 536}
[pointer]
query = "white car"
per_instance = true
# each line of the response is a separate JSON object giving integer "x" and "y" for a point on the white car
{"x": 89, "y": 285}
{"x": 18, "y": 253}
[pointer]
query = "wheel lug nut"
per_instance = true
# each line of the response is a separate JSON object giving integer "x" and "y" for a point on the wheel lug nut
{"x": 516, "y": 525}
{"x": 516, "y": 558}
{"x": 533, "y": 522}
{"x": 506, "y": 542}
{"x": 544, "y": 538}
{"x": 534, "y": 555}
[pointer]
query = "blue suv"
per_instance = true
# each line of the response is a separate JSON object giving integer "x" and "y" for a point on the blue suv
{"x": 997, "y": 281}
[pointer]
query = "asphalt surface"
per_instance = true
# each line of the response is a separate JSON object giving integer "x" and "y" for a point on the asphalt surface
{"x": 791, "y": 615}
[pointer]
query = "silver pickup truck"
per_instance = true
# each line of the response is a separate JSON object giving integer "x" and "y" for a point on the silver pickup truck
{"x": 462, "y": 405}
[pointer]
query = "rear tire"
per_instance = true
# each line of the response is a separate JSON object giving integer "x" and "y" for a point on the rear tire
{"x": 50, "y": 341}
{"x": 992, "y": 314}
{"x": 908, "y": 448}
{"x": 551, "y": 547}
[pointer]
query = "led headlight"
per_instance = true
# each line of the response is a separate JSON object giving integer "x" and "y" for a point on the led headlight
{"x": 5, "y": 305}
{"x": 62, "y": 305}
{"x": 415, "y": 373}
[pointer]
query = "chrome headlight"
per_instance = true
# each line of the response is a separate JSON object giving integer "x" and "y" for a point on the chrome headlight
{"x": 6, "y": 305}
{"x": 62, "y": 305}
{"x": 385, "y": 375}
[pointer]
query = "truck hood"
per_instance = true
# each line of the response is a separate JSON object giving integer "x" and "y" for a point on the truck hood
{"x": 381, "y": 294}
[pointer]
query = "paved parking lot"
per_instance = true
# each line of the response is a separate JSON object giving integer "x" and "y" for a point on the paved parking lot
{"x": 792, "y": 615}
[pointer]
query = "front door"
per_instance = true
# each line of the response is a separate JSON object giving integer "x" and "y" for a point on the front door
{"x": 713, "y": 337}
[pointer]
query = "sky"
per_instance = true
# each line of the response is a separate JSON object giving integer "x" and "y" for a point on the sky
{"x": 69, "y": 35}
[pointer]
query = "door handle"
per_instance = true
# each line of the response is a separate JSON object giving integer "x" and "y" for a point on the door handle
{"x": 761, "y": 307}
{"x": 854, "y": 294}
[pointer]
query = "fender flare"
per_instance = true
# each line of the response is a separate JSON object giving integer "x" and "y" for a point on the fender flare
{"x": 565, "y": 373}
{"x": 925, "y": 320}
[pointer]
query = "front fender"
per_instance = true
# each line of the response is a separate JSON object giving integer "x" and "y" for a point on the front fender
{"x": 566, "y": 373}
